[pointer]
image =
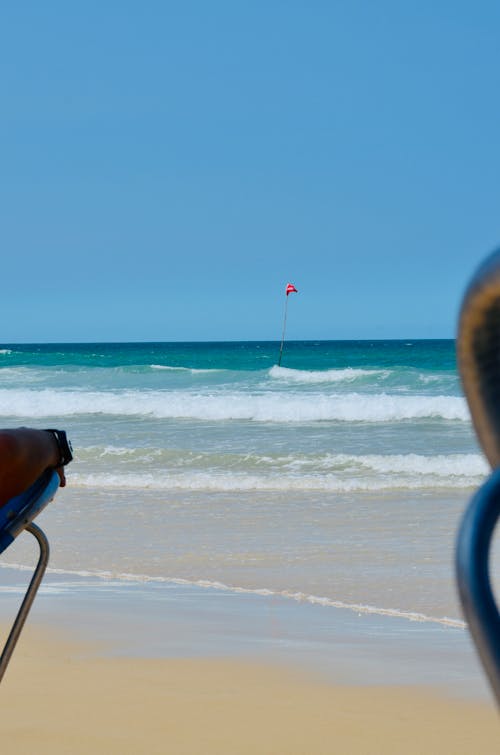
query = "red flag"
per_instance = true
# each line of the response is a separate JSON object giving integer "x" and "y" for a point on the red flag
{"x": 290, "y": 289}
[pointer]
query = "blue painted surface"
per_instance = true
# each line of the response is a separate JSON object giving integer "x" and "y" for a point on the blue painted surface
{"x": 22, "y": 509}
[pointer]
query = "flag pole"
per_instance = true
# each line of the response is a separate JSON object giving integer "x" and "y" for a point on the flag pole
{"x": 283, "y": 334}
{"x": 290, "y": 289}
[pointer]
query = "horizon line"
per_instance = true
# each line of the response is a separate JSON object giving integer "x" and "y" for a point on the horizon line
{"x": 222, "y": 341}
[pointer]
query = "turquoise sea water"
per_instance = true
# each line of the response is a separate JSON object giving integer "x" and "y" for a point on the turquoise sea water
{"x": 337, "y": 477}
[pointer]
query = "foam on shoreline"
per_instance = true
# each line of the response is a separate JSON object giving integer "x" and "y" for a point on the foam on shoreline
{"x": 298, "y": 597}
{"x": 156, "y": 618}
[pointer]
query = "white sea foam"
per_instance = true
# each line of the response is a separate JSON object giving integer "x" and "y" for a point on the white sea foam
{"x": 324, "y": 376}
{"x": 173, "y": 368}
{"x": 430, "y": 378}
{"x": 112, "y": 451}
{"x": 455, "y": 468}
{"x": 442, "y": 465}
{"x": 471, "y": 466}
{"x": 299, "y": 597}
{"x": 228, "y": 481}
{"x": 217, "y": 406}
{"x": 5, "y": 351}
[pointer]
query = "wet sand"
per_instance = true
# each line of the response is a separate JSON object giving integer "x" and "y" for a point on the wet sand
{"x": 106, "y": 667}
{"x": 60, "y": 696}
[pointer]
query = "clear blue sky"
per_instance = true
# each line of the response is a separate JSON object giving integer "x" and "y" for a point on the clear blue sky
{"x": 167, "y": 167}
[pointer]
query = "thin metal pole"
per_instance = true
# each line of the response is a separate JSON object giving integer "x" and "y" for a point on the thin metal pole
{"x": 28, "y": 598}
{"x": 284, "y": 328}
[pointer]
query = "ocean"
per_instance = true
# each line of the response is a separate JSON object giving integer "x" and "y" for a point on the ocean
{"x": 337, "y": 479}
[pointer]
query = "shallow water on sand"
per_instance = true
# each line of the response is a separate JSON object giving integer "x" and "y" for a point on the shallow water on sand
{"x": 338, "y": 478}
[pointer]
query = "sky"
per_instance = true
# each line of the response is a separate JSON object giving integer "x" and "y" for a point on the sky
{"x": 168, "y": 167}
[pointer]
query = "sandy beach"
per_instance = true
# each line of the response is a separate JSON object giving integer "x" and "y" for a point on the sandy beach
{"x": 61, "y": 697}
{"x": 126, "y": 668}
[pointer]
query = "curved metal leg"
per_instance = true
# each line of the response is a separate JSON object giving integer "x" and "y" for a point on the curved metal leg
{"x": 28, "y": 598}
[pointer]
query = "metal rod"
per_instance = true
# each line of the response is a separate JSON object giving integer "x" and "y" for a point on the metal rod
{"x": 472, "y": 571}
{"x": 283, "y": 334}
{"x": 28, "y": 598}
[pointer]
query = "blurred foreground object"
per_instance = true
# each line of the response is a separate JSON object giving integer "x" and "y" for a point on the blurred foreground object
{"x": 478, "y": 351}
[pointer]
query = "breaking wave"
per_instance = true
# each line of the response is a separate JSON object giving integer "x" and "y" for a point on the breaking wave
{"x": 240, "y": 482}
{"x": 324, "y": 376}
{"x": 472, "y": 466}
{"x": 177, "y": 470}
{"x": 173, "y": 368}
{"x": 220, "y": 405}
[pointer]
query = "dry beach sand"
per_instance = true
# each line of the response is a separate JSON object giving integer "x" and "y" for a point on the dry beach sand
{"x": 61, "y": 696}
